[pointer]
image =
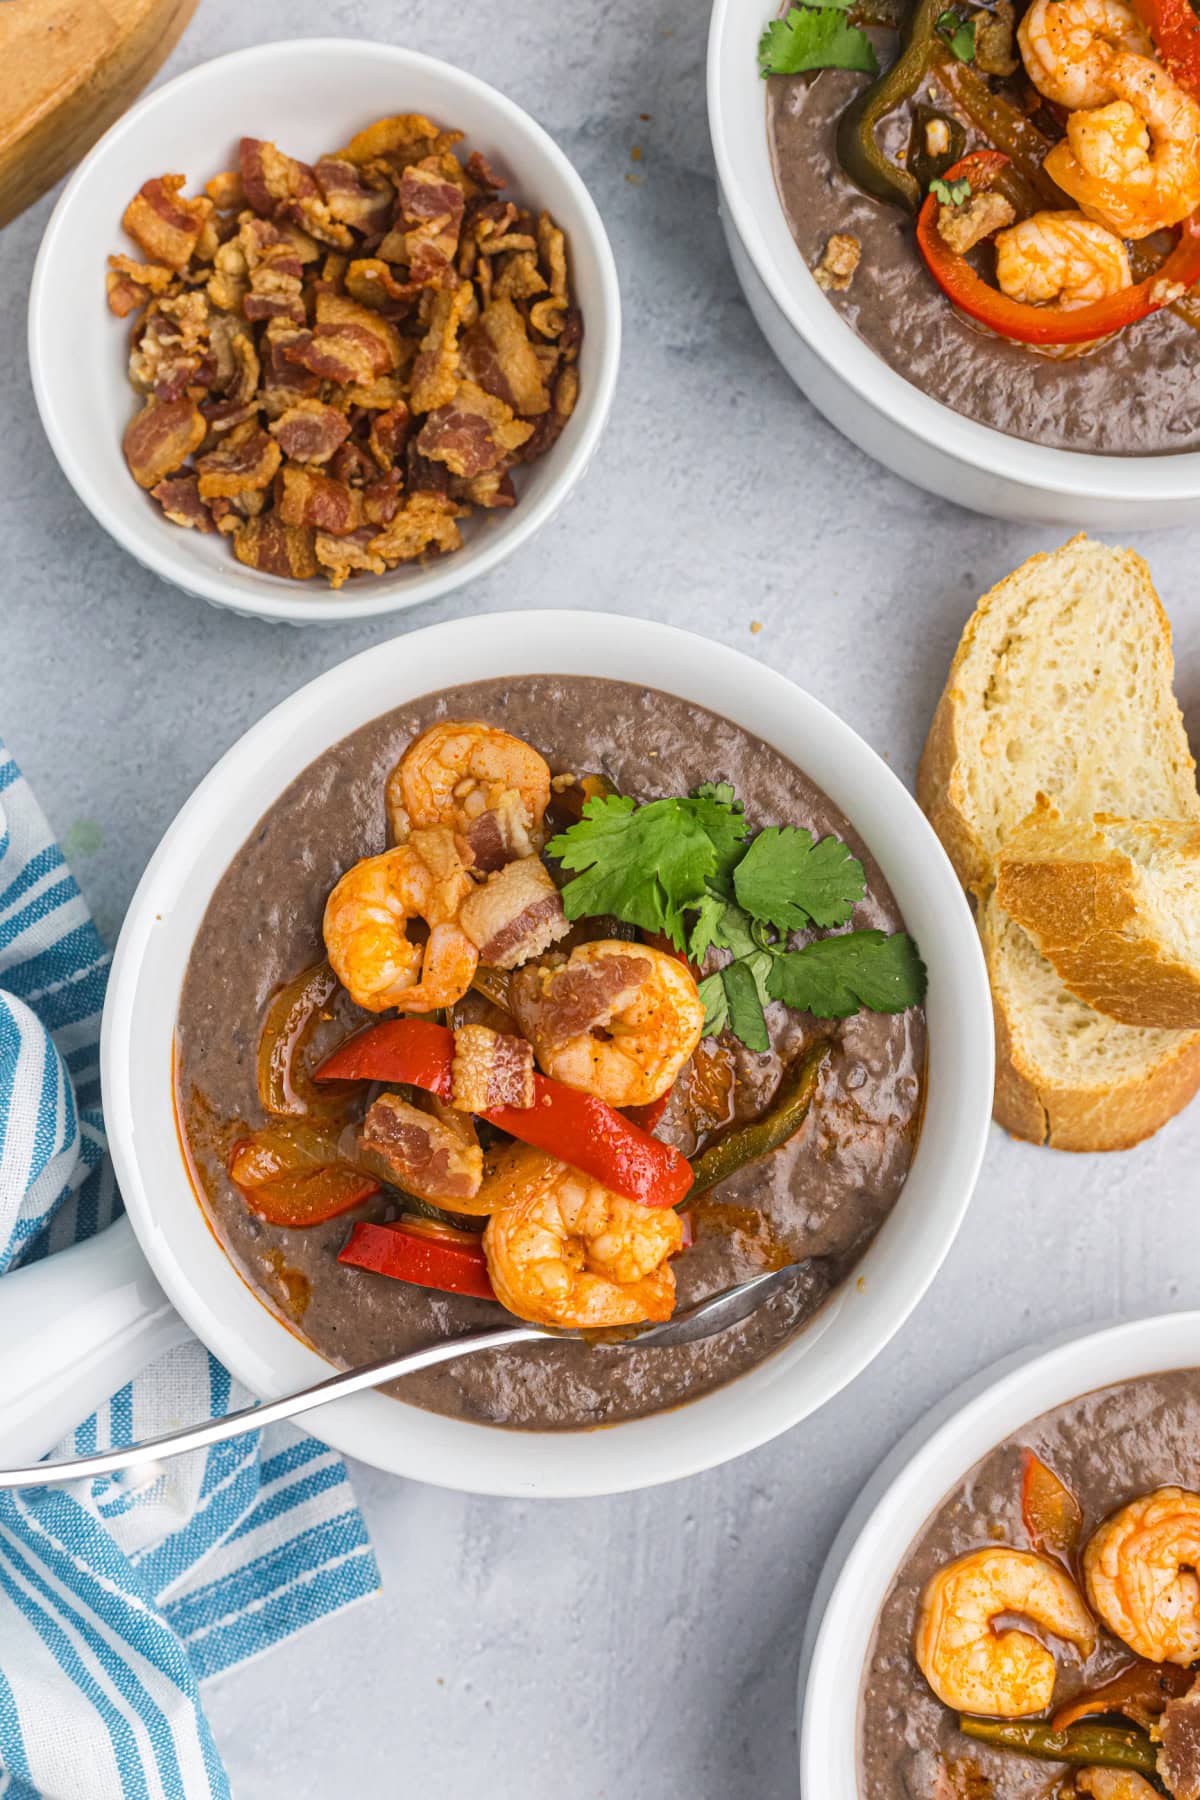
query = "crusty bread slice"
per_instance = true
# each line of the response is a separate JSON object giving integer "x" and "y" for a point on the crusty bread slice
{"x": 1114, "y": 904}
{"x": 1066, "y": 1075}
{"x": 1061, "y": 685}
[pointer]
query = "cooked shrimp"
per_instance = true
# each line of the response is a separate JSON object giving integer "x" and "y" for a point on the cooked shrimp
{"x": 617, "y": 1020}
{"x": 1133, "y": 165}
{"x": 1060, "y": 258}
{"x": 367, "y": 918}
{"x": 1140, "y": 1572}
{"x": 491, "y": 787}
{"x": 1068, "y": 44}
{"x": 564, "y": 1250}
{"x": 973, "y": 1667}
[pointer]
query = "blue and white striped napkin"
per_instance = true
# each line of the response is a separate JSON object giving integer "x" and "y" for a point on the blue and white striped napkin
{"x": 117, "y": 1601}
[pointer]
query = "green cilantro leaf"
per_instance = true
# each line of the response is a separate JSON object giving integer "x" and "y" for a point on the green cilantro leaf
{"x": 787, "y": 880}
{"x": 745, "y": 1003}
{"x": 833, "y": 977}
{"x": 648, "y": 865}
{"x": 959, "y": 33}
{"x": 815, "y": 37}
{"x": 716, "y": 1006}
{"x": 720, "y": 791}
{"x": 951, "y": 193}
{"x": 724, "y": 822}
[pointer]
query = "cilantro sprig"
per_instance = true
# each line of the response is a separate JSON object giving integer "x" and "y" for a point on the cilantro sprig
{"x": 958, "y": 32}
{"x": 690, "y": 869}
{"x": 951, "y": 193}
{"x": 818, "y": 36}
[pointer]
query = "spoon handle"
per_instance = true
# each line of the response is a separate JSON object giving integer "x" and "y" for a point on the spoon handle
{"x": 250, "y": 1418}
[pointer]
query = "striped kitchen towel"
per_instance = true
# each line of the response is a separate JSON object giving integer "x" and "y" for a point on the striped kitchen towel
{"x": 117, "y": 1598}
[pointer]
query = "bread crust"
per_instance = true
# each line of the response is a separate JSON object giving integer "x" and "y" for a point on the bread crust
{"x": 1106, "y": 1114}
{"x": 1078, "y": 898}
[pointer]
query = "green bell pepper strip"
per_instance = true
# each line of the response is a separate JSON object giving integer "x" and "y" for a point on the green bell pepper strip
{"x": 1080, "y": 1746}
{"x": 748, "y": 1143}
{"x": 858, "y": 150}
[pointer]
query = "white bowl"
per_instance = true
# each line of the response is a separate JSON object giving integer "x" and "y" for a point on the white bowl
{"x": 170, "y": 902}
{"x": 874, "y": 406}
{"x": 923, "y": 1468}
{"x": 309, "y": 96}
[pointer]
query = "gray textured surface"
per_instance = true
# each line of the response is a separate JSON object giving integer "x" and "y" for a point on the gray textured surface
{"x": 642, "y": 1647}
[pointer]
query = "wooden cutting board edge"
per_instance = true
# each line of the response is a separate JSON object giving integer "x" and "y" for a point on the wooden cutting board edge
{"x": 44, "y": 139}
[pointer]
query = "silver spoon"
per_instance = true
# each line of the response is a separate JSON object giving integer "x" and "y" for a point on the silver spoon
{"x": 712, "y": 1315}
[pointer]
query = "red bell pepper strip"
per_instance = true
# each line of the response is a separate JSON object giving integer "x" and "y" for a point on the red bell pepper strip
{"x": 576, "y": 1128}
{"x": 300, "y": 1200}
{"x": 1027, "y": 324}
{"x": 1176, "y": 33}
{"x": 449, "y": 1262}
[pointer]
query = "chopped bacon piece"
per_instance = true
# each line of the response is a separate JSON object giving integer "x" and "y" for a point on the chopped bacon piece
{"x": 309, "y": 498}
{"x": 276, "y": 273}
{"x": 425, "y": 524}
{"x": 350, "y": 200}
{"x": 492, "y": 490}
{"x": 430, "y": 212}
{"x": 389, "y": 433}
{"x": 350, "y": 342}
{"x": 246, "y": 459}
{"x": 268, "y": 544}
{"x": 310, "y": 431}
{"x": 161, "y": 437}
{"x": 565, "y": 1002}
{"x": 179, "y": 497}
{"x": 519, "y": 277}
{"x": 370, "y": 281}
{"x": 270, "y": 178}
{"x": 423, "y": 476}
{"x": 1179, "y": 1758}
{"x": 434, "y": 1155}
{"x": 226, "y": 191}
{"x": 549, "y": 427}
{"x": 516, "y": 914}
{"x": 352, "y": 465}
{"x": 480, "y": 170}
{"x": 163, "y": 224}
{"x": 381, "y": 499}
{"x": 403, "y": 139}
{"x": 342, "y": 556}
{"x": 490, "y": 1068}
{"x": 170, "y": 348}
{"x": 473, "y": 433}
{"x": 498, "y": 356}
{"x": 552, "y": 251}
{"x": 435, "y": 372}
{"x": 236, "y": 369}
{"x": 129, "y": 284}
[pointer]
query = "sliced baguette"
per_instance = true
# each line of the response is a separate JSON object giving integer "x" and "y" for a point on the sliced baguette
{"x": 1061, "y": 685}
{"x": 1114, "y": 904}
{"x": 1066, "y": 1075}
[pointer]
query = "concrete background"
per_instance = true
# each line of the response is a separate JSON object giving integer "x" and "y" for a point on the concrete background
{"x": 637, "y": 1648}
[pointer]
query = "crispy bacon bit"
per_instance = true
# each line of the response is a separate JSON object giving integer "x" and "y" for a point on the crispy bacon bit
{"x": 161, "y": 438}
{"x": 434, "y": 1155}
{"x": 308, "y": 498}
{"x": 310, "y": 431}
{"x": 246, "y": 459}
{"x": 349, "y": 356}
{"x": 268, "y": 544}
{"x": 162, "y": 224}
{"x": 839, "y": 262}
{"x": 179, "y": 497}
{"x": 491, "y": 1068}
{"x": 435, "y": 372}
{"x": 403, "y": 139}
{"x": 565, "y": 1002}
{"x": 381, "y": 499}
{"x": 424, "y": 525}
{"x": 963, "y": 227}
{"x": 516, "y": 914}
{"x": 473, "y": 434}
{"x": 430, "y": 211}
{"x": 1179, "y": 1758}
{"x": 389, "y": 433}
{"x": 341, "y": 557}
{"x": 498, "y": 356}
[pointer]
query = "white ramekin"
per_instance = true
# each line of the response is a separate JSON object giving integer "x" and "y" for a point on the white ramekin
{"x": 870, "y": 402}
{"x": 309, "y": 96}
{"x": 906, "y": 1490}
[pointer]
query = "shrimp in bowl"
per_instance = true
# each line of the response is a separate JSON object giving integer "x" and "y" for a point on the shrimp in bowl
{"x": 535, "y": 1058}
